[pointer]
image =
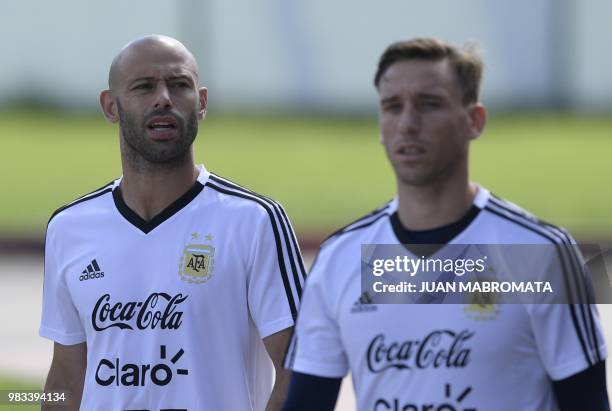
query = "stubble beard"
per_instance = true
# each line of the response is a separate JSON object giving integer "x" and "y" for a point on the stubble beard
{"x": 144, "y": 154}
{"x": 427, "y": 175}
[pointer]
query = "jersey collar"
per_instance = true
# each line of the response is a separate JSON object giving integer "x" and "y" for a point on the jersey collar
{"x": 449, "y": 233}
{"x": 146, "y": 226}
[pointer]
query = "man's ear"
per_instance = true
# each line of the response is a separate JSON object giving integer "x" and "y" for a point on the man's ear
{"x": 203, "y": 94}
{"x": 478, "y": 119}
{"x": 109, "y": 106}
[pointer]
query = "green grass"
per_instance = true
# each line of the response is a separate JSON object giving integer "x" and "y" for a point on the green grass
{"x": 557, "y": 167}
{"x": 15, "y": 386}
{"x": 326, "y": 172}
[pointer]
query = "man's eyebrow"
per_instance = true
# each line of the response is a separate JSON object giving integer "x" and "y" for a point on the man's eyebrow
{"x": 181, "y": 77}
{"x": 389, "y": 99}
{"x": 172, "y": 78}
{"x": 131, "y": 82}
{"x": 432, "y": 94}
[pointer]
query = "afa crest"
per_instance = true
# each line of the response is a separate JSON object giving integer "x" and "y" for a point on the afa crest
{"x": 197, "y": 263}
{"x": 482, "y": 311}
{"x": 482, "y": 306}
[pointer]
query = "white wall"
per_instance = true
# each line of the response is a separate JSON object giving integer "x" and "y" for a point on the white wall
{"x": 325, "y": 52}
{"x": 274, "y": 54}
{"x": 592, "y": 80}
{"x": 59, "y": 52}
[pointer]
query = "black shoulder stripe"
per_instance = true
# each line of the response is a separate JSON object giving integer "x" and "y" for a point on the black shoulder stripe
{"x": 512, "y": 209}
{"x": 582, "y": 278}
{"x": 291, "y": 243}
{"x": 365, "y": 218}
{"x": 577, "y": 274}
{"x": 589, "y": 309}
{"x": 288, "y": 232}
{"x": 279, "y": 251}
{"x": 531, "y": 225}
{"x": 365, "y": 224}
{"x": 362, "y": 222}
{"x": 96, "y": 193}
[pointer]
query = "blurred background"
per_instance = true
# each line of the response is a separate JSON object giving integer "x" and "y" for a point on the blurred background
{"x": 292, "y": 114}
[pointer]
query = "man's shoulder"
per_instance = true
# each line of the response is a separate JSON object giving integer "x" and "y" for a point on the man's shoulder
{"x": 525, "y": 224}
{"x": 81, "y": 205}
{"x": 238, "y": 198}
{"x": 338, "y": 261}
{"x": 361, "y": 231}
{"x": 360, "y": 226}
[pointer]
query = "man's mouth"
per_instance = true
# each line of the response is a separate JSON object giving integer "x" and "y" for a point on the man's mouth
{"x": 161, "y": 125}
{"x": 411, "y": 152}
{"x": 162, "y": 128}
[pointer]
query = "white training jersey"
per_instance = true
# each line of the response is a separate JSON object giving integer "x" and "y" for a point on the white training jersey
{"x": 173, "y": 310}
{"x": 453, "y": 357}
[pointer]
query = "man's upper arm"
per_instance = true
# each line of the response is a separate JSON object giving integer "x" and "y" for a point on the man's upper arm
{"x": 276, "y": 273}
{"x": 69, "y": 360}
{"x": 67, "y": 372}
{"x": 60, "y": 320}
{"x": 568, "y": 336}
{"x": 316, "y": 347}
{"x": 276, "y": 346}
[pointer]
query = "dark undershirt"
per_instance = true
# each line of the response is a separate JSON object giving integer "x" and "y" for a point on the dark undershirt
{"x": 440, "y": 236}
{"x": 580, "y": 392}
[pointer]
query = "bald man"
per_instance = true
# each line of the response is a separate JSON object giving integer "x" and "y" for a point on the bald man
{"x": 170, "y": 288}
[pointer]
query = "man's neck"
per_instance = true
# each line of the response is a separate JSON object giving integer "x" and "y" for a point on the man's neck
{"x": 148, "y": 192}
{"x": 433, "y": 206}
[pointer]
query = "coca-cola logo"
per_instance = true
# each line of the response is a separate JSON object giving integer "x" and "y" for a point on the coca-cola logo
{"x": 441, "y": 348}
{"x": 157, "y": 311}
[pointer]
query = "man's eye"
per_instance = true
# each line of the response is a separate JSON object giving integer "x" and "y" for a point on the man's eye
{"x": 181, "y": 84}
{"x": 392, "y": 108}
{"x": 144, "y": 86}
{"x": 431, "y": 103}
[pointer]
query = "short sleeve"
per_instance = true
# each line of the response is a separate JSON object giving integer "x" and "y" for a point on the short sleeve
{"x": 569, "y": 336}
{"x": 60, "y": 319}
{"x": 276, "y": 273}
{"x": 316, "y": 347}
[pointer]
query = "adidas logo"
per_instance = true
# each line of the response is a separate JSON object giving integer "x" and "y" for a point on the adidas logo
{"x": 363, "y": 304}
{"x": 92, "y": 271}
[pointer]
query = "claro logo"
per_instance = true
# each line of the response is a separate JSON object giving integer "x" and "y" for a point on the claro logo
{"x": 116, "y": 372}
{"x": 450, "y": 404}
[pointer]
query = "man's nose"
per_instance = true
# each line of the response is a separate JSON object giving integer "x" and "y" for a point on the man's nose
{"x": 162, "y": 97}
{"x": 409, "y": 121}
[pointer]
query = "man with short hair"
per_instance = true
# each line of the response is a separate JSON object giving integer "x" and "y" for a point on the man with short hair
{"x": 409, "y": 357}
{"x": 170, "y": 288}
